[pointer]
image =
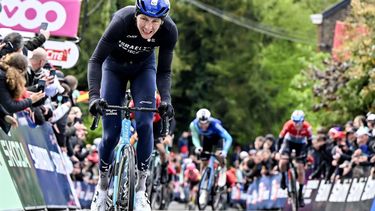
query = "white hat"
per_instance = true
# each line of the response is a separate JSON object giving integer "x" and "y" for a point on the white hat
{"x": 371, "y": 117}
{"x": 243, "y": 155}
{"x": 362, "y": 131}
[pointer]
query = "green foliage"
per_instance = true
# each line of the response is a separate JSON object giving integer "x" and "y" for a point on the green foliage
{"x": 247, "y": 79}
{"x": 357, "y": 94}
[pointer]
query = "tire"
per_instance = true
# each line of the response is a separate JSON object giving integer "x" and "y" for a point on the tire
{"x": 151, "y": 179}
{"x": 218, "y": 198}
{"x": 293, "y": 190}
{"x": 126, "y": 180}
{"x": 157, "y": 198}
{"x": 203, "y": 189}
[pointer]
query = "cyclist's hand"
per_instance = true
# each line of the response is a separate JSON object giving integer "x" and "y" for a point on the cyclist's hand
{"x": 166, "y": 109}
{"x": 96, "y": 107}
{"x": 223, "y": 154}
{"x": 167, "y": 140}
{"x": 198, "y": 150}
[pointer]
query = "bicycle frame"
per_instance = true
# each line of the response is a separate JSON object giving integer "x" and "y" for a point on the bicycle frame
{"x": 124, "y": 141}
{"x": 211, "y": 168}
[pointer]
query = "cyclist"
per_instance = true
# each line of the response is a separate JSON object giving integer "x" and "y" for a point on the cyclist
{"x": 126, "y": 52}
{"x": 210, "y": 131}
{"x": 296, "y": 134}
{"x": 191, "y": 178}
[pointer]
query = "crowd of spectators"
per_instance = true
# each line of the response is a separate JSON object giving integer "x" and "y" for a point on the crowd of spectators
{"x": 30, "y": 86}
{"x": 343, "y": 151}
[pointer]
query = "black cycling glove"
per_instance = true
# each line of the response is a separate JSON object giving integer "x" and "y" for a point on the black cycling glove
{"x": 166, "y": 109}
{"x": 96, "y": 106}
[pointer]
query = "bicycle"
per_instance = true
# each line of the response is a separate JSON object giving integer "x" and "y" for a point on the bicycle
{"x": 122, "y": 177}
{"x": 154, "y": 188}
{"x": 292, "y": 179}
{"x": 208, "y": 190}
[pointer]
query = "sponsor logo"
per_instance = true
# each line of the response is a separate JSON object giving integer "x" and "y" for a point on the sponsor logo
{"x": 41, "y": 158}
{"x": 133, "y": 49}
{"x": 14, "y": 152}
{"x": 30, "y": 14}
{"x": 356, "y": 190}
{"x": 154, "y": 2}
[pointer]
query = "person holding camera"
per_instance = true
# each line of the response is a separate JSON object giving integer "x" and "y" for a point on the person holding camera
{"x": 13, "y": 42}
{"x": 13, "y": 94}
{"x": 38, "y": 78}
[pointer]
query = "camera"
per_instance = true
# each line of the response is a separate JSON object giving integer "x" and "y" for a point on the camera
{"x": 52, "y": 72}
{"x": 41, "y": 85}
{"x": 8, "y": 48}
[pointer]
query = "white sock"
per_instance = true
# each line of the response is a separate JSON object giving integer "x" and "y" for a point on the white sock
{"x": 142, "y": 177}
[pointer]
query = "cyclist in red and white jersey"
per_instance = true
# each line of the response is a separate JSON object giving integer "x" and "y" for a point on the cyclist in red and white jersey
{"x": 296, "y": 134}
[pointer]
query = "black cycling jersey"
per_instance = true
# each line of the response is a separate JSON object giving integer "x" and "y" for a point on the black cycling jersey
{"x": 123, "y": 42}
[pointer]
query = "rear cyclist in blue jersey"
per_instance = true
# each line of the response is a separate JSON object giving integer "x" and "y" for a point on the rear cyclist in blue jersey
{"x": 126, "y": 52}
{"x": 214, "y": 137}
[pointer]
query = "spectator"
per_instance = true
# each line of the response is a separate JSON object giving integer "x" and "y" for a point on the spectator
{"x": 36, "y": 71}
{"x": 12, "y": 85}
{"x": 13, "y": 42}
{"x": 359, "y": 121}
{"x": 322, "y": 166}
{"x": 6, "y": 119}
{"x": 371, "y": 124}
{"x": 258, "y": 143}
{"x": 72, "y": 82}
{"x": 183, "y": 144}
{"x": 235, "y": 157}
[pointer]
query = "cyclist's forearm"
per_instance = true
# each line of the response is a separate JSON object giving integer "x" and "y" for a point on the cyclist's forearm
{"x": 194, "y": 136}
{"x": 227, "y": 143}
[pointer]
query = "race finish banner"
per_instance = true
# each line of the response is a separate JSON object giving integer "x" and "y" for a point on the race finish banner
{"x": 42, "y": 146}
{"x": 347, "y": 194}
{"x": 9, "y": 199}
{"x": 62, "y": 16}
{"x": 21, "y": 171}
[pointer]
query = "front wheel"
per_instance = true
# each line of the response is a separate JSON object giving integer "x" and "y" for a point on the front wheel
{"x": 203, "y": 190}
{"x": 126, "y": 173}
{"x": 293, "y": 193}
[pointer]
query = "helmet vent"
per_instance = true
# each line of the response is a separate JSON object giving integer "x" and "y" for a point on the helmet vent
{"x": 162, "y": 11}
{"x": 143, "y": 5}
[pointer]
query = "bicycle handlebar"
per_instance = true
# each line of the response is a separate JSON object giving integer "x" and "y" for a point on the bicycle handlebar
{"x": 165, "y": 120}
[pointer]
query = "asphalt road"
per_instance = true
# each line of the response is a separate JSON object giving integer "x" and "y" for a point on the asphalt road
{"x": 179, "y": 206}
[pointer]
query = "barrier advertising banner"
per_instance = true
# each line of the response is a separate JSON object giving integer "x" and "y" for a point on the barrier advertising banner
{"x": 9, "y": 199}
{"x": 21, "y": 171}
{"x": 85, "y": 193}
{"x": 62, "y": 16}
{"x": 265, "y": 193}
{"x": 347, "y": 194}
{"x": 42, "y": 146}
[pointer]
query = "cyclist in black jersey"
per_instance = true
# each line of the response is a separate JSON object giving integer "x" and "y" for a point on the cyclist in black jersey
{"x": 126, "y": 52}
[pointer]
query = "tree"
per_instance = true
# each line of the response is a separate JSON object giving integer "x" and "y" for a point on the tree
{"x": 345, "y": 89}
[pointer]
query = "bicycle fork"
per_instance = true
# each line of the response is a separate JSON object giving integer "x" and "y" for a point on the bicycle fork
{"x": 124, "y": 141}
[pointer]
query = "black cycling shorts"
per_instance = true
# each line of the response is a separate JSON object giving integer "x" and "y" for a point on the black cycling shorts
{"x": 288, "y": 146}
{"x": 211, "y": 144}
